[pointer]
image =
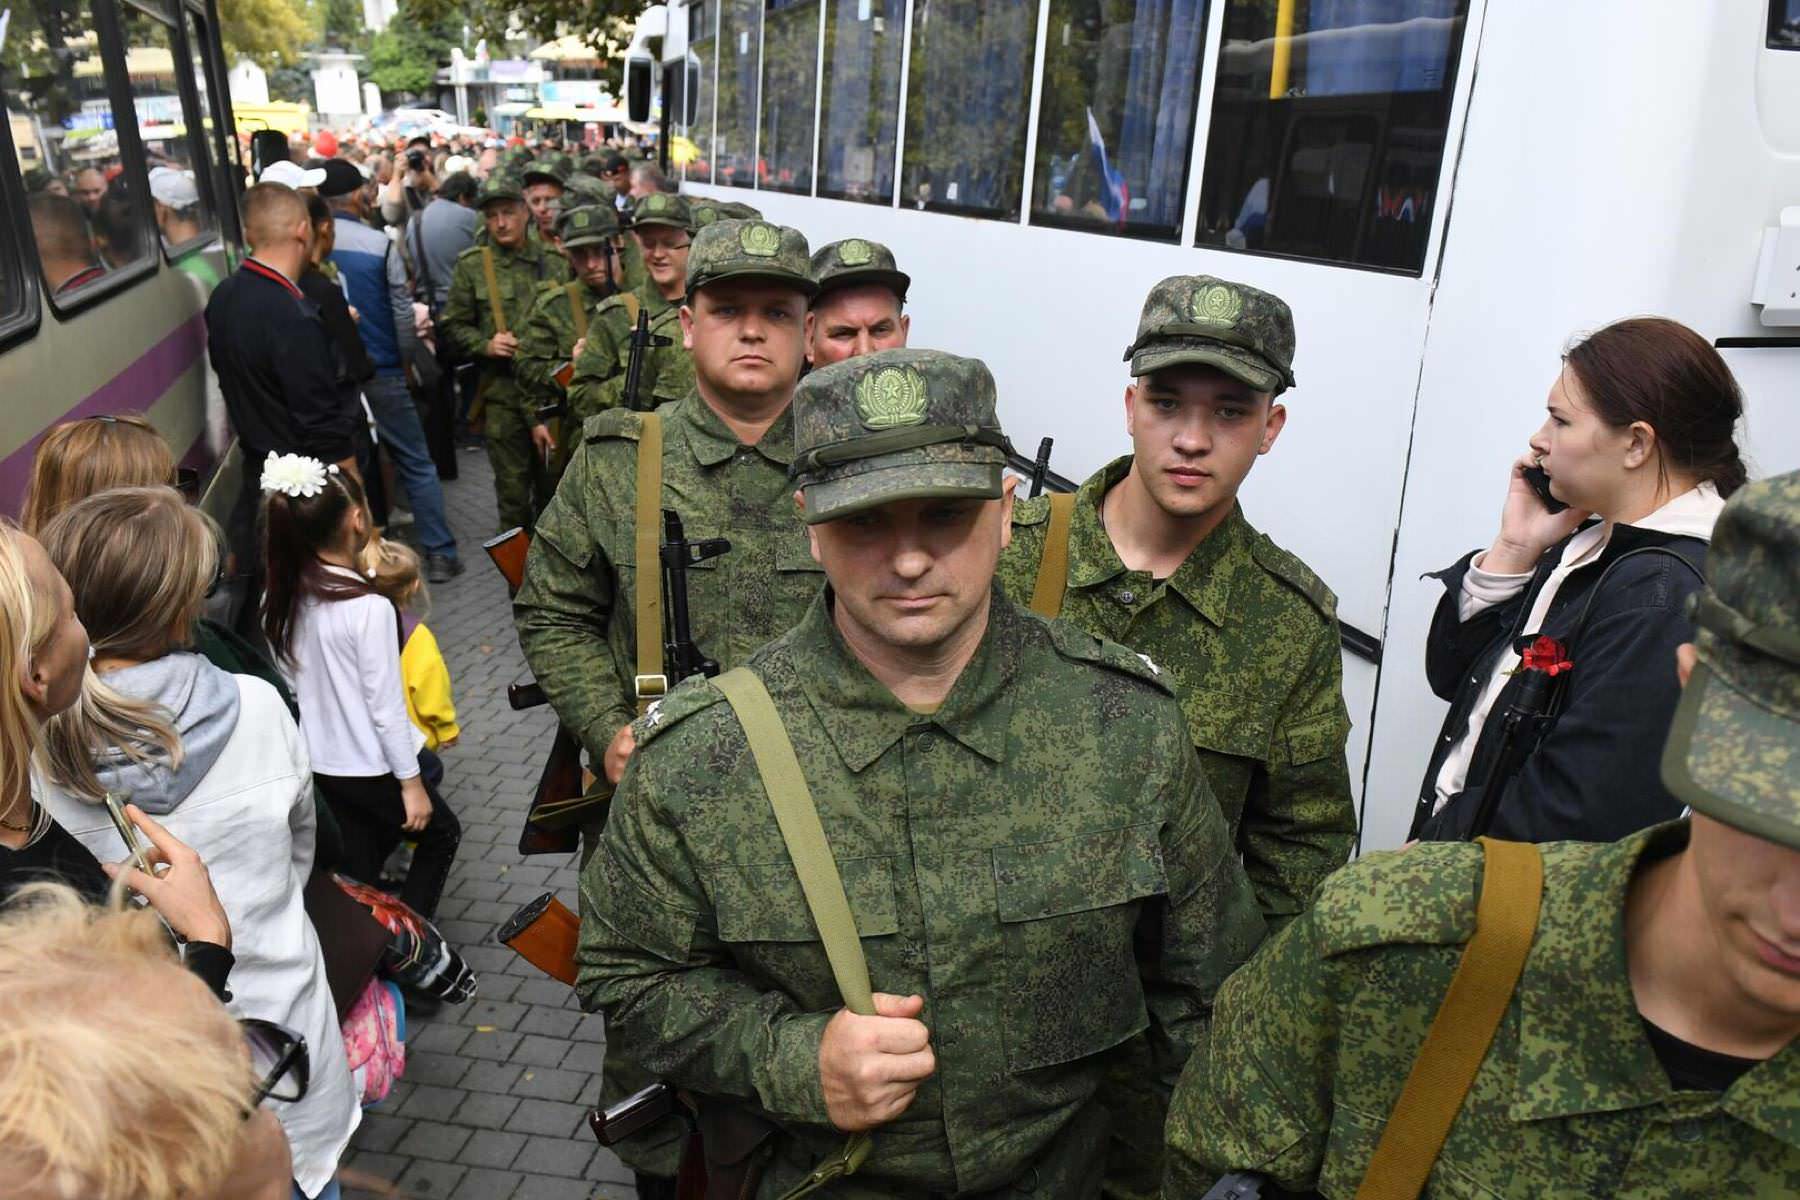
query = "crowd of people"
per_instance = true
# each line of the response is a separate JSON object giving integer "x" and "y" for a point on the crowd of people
{"x": 1010, "y": 846}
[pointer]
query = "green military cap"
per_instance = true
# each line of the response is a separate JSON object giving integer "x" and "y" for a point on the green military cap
{"x": 1243, "y": 331}
{"x": 895, "y": 425}
{"x": 499, "y": 185}
{"x": 854, "y": 262}
{"x": 660, "y": 208}
{"x": 735, "y": 210}
{"x": 1734, "y": 749}
{"x": 705, "y": 211}
{"x": 587, "y": 225}
{"x": 749, "y": 249}
{"x": 544, "y": 170}
{"x": 589, "y": 189}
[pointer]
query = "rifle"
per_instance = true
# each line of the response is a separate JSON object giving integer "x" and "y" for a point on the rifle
{"x": 562, "y": 782}
{"x": 681, "y": 657}
{"x": 642, "y": 341}
{"x": 1040, "y": 467}
{"x": 1038, "y": 470}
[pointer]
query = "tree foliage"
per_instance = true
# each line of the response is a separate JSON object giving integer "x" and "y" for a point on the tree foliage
{"x": 404, "y": 59}
{"x": 272, "y": 32}
{"x": 597, "y": 21}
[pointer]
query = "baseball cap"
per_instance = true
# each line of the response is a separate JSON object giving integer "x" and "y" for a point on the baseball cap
{"x": 895, "y": 425}
{"x": 612, "y": 160}
{"x": 587, "y": 225}
{"x": 173, "y": 188}
{"x": 855, "y": 262}
{"x": 292, "y": 174}
{"x": 456, "y": 164}
{"x": 1734, "y": 746}
{"x": 1243, "y": 331}
{"x": 341, "y": 178}
{"x": 749, "y": 249}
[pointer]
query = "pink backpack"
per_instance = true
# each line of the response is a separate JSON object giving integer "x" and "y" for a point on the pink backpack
{"x": 375, "y": 1040}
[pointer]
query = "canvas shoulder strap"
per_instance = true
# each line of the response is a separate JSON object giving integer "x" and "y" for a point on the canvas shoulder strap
{"x": 632, "y": 305}
{"x": 1053, "y": 563}
{"x": 1512, "y": 889}
{"x": 801, "y": 829}
{"x": 577, "y": 310}
{"x": 493, "y": 287}
{"x": 652, "y": 683}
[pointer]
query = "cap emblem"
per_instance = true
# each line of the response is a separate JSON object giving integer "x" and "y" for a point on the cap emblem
{"x": 891, "y": 396}
{"x": 655, "y": 202}
{"x": 1218, "y": 305}
{"x": 705, "y": 216}
{"x": 855, "y": 252}
{"x": 760, "y": 240}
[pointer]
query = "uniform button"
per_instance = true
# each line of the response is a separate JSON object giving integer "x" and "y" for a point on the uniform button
{"x": 1128, "y": 597}
{"x": 1687, "y": 1131}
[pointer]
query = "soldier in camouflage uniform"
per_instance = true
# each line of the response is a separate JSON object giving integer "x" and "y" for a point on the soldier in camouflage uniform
{"x": 559, "y": 318}
{"x": 726, "y": 449}
{"x": 858, "y": 310}
{"x": 1031, "y": 854}
{"x": 520, "y": 266}
{"x": 1247, "y": 634}
{"x": 661, "y": 229}
{"x": 707, "y": 210}
{"x": 542, "y": 185}
{"x": 1650, "y": 1047}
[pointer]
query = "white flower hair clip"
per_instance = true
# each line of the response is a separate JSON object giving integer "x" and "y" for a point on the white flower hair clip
{"x": 295, "y": 475}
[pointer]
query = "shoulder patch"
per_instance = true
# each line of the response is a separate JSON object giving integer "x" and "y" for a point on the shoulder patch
{"x": 612, "y": 423}
{"x": 1290, "y": 570}
{"x": 1422, "y": 895}
{"x": 689, "y": 697}
{"x": 1034, "y": 511}
{"x": 1079, "y": 645}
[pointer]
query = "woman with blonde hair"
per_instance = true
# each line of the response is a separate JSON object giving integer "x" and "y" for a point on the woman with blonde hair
{"x": 120, "y": 1077}
{"x": 216, "y": 757}
{"x": 78, "y": 458}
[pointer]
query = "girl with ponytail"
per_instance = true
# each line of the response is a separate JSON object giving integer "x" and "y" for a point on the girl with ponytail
{"x": 339, "y": 640}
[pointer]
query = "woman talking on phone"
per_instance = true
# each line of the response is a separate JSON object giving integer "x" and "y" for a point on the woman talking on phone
{"x": 1555, "y": 645}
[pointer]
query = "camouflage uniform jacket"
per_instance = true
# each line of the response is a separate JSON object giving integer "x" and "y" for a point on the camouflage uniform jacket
{"x": 575, "y": 610}
{"x": 1248, "y": 636}
{"x": 599, "y": 382}
{"x": 547, "y": 339}
{"x": 468, "y": 317}
{"x": 1311, "y": 1043}
{"x": 999, "y": 861}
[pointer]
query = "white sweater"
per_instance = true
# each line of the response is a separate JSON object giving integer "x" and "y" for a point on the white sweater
{"x": 346, "y": 676}
{"x": 251, "y": 820}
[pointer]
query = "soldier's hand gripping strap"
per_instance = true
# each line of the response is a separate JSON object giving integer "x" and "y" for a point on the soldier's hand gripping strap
{"x": 652, "y": 684}
{"x": 1053, "y": 563}
{"x": 493, "y": 286}
{"x": 798, "y": 817}
{"x": 1512, "y": 888}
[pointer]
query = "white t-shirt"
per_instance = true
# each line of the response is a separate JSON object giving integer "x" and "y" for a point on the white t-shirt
{"x": 346, "y": 678}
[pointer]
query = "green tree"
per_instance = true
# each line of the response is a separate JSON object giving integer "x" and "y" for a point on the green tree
{"x": 403, "y": 60}
{"x": 271, "y": 32}
{"x": 604, "y": 24}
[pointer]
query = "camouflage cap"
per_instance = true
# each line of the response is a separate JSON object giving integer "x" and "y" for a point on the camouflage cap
{"x": 1243, "y": 331}
{"x": 544, "y": 170}
{"x": 499, "y": 185}
{"x": 1734, "y": 748}
{"x": 895, "y": 425}
{"x": 589, "y": 189}
{"x": 749, "y": 249}
{"x": 587, "y": 225}
{"x": 854, "y": 262}
{"x": 661, "y": 208}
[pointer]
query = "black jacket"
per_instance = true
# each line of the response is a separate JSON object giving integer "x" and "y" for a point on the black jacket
{"x": 276, "y": 368}
{"x": 352, "y": 359}
{"x": 1594, "y": 775}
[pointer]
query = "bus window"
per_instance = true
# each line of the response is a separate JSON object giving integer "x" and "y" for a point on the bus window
{"x": 861, "y": 115}
{"x": 174, "y": 157}
{"x": 703, "y": 27}
{"x": 789, "y": 91}
{"x": 740, "y": 64}
{"x": 18, "y": 309}
{"x": 1117, "y": 116}
{"x": 1784, "y": 24}
{"x": 207, "y": 163}
{"x": 87, "y": 218}
{"x": 1328, "y": 128}
{"x": 966, "y": 95}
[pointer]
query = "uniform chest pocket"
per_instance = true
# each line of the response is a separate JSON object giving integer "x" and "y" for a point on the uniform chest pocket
{"x": 762, "y": 915}
{"x": 1067, "y": 911}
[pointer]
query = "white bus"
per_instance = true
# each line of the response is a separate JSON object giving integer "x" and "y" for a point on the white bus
{"x": 1445, "y": 191}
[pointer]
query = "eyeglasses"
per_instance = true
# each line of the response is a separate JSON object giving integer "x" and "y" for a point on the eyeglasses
{"x": 278, "y": 1056}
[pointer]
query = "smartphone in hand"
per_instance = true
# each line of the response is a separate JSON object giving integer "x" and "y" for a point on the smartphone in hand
{"x": 1539, "y": 479}
{"x": 134, "y": 844}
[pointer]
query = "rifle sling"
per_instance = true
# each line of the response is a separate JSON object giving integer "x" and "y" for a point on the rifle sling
{"x": 577, "y": 310}
{"x": 798, "y": 817}
{"x": 652, "y": 683}
{"x": 493, "y": 287}
{"x": 1512, "y": 888}
{"x": 1053, "y": 563}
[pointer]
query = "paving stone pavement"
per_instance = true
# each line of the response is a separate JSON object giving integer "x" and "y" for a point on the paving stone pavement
{"x": 494, "y": 1100}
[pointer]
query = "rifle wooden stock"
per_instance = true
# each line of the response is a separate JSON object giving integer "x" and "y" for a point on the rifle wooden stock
{"x": 508, "y": 551}
{"x": 543, "y": 933}
{"x": 564, "y": 375}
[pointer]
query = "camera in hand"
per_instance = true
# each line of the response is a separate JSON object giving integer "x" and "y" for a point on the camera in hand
{"x": 1539, "y": 479}
{"x": 415, "y": 159}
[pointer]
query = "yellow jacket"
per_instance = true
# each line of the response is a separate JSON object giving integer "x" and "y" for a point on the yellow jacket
{"x": 427, "y": 679}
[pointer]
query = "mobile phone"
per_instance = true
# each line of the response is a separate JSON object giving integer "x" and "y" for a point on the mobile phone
{"x": 1539, "y": 479}
{"x": 134, "y": 845}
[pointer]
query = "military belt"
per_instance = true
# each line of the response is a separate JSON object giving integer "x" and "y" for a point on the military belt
{"x": 652, "y": 683}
